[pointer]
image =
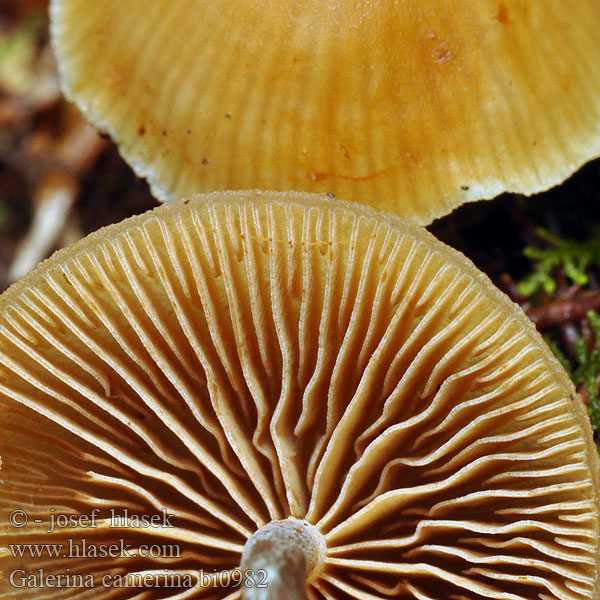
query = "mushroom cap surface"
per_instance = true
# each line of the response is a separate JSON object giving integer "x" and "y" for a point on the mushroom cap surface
{"x": 410, "y": 107}
{"x": 242, "y": 358}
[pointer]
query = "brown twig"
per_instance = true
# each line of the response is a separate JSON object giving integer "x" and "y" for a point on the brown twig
{"x": 61, "y": 156}
{"x": 564, "y": 310}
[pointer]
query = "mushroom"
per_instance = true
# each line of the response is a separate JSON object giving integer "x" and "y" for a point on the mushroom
{"x": 410, "y": 107}
{"x": 251, "y": 389}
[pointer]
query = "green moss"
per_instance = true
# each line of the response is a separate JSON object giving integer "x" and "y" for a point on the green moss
{"x": 22, "y": 37}
{"x": 586, "y": 369}
{"x": 571, "y": 259}
{"x": 571, "y": 256}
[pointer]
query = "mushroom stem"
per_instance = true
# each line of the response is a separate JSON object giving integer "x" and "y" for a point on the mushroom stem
{"x": 279, "y": 559}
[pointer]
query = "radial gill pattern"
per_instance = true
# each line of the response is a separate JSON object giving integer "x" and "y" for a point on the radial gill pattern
{"x": 172, "y": 384}
{"x": 410, "y": 106}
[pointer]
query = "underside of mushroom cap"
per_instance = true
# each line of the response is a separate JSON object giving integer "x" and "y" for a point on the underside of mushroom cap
{"x": 411, "y": 107}
{"x": 244, "y": 358}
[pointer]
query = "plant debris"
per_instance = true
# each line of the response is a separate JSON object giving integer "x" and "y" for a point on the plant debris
{"x": 50, "y": 156}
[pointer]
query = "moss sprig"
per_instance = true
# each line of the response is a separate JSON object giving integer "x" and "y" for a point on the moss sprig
{"x": 585, "y": 372}
{"x": 588, "y": 369}
{"x": 573, "y": 257}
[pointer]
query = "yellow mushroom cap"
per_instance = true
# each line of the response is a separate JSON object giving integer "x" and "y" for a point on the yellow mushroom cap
{"x": 411, "y": 107}
{"x": 243, "y": 363}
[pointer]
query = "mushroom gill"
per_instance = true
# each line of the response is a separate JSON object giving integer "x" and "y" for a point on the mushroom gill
{"x": 252, "y": 386}
{"x": 410, "y": 107}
